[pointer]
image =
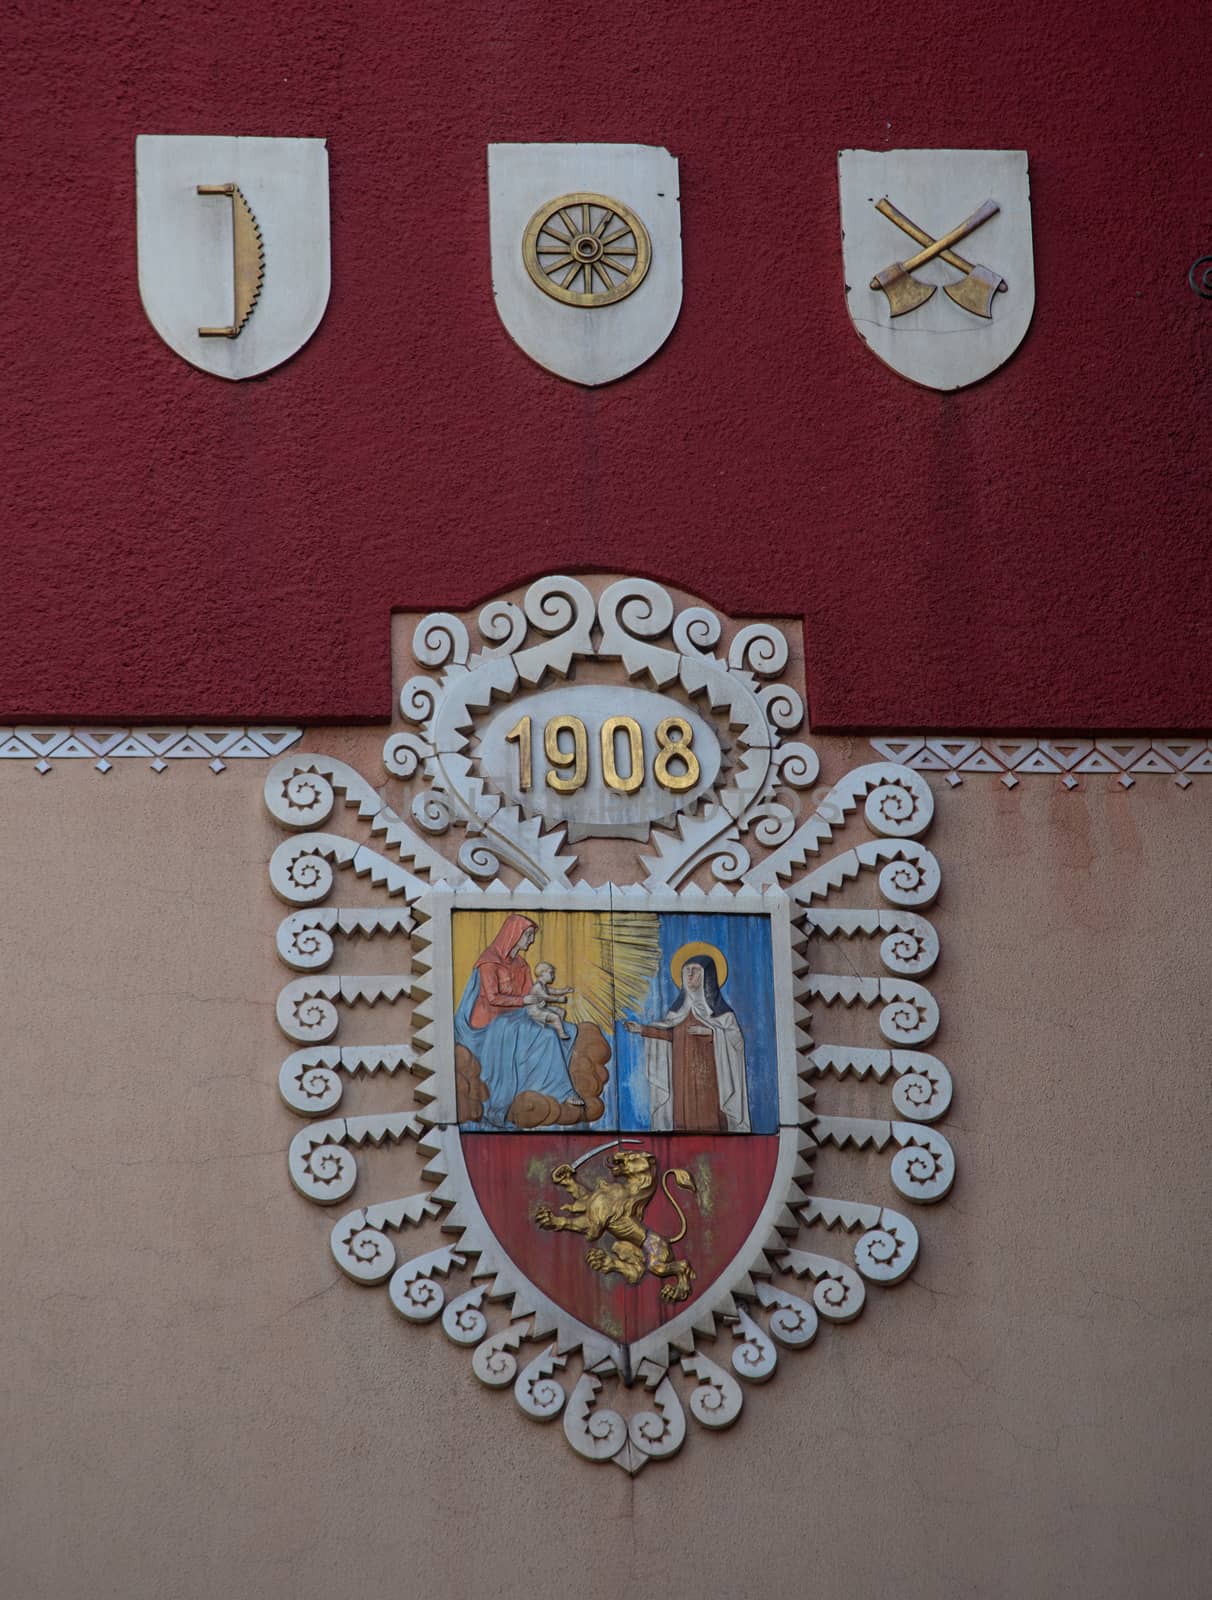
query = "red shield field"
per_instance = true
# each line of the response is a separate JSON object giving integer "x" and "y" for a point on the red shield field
{"x": 730, "y": 1175}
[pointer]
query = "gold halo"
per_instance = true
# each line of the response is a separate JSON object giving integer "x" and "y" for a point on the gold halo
{"x": 680, "y": 957}
{"x": 576, "y": 240}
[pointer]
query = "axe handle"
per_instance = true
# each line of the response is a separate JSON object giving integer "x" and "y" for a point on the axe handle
{"x": 946, "y": 240}
{"x": 887, "y": 209}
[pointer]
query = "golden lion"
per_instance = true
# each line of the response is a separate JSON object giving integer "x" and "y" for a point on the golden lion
{"x": 618, "y": 1209}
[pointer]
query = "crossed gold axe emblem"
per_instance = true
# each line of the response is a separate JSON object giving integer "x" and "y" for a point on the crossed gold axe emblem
{"x": 975, "y": 290}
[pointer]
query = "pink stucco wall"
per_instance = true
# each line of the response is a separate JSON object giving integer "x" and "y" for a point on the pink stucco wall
{"x": 198, "y": 1403}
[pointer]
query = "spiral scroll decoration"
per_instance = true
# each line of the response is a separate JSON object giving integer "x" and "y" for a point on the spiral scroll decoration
{"x": 463, "y": 1321}
{"x": 537, "y": 1391}
{"x": 365, "y": 1254}
{"x": 494, "y": 1362}
{"x": 716, "y": 1402}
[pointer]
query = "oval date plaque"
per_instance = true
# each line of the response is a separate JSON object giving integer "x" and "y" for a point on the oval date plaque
{"x": 570, "y": 755}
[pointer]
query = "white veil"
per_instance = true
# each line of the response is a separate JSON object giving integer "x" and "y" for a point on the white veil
{"x": 728, "y": 1043}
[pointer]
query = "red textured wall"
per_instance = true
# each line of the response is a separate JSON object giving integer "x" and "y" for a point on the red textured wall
{"x": 1030, "y": 552}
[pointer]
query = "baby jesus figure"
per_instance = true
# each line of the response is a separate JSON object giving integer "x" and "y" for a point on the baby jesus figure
{"x": 543, "y": 1001}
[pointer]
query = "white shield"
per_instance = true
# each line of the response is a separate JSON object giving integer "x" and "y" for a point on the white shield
{"x": 957, "y": 316}
{"x": 586, "y": 253}
{"x": 233, "y": 247}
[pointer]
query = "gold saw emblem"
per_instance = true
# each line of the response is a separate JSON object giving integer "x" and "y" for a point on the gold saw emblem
{"x": 586, "y": 249}
{"x": 247, "y": 261}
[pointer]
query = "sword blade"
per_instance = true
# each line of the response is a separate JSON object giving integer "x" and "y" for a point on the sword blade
{"x": 609, "y": 1145}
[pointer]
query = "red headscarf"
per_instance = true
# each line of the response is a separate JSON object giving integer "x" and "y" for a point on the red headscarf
{"x": 504, "y": 979}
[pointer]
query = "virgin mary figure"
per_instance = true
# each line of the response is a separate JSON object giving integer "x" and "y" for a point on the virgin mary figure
{"x": 514, "y": 1051}
{"x": 694, "y": 1056}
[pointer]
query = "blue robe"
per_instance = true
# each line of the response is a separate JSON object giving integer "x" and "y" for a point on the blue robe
{"x": 515, "y": 1052}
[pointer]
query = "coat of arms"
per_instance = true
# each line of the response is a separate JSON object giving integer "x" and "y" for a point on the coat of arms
{"x": 614, "y": 1084}
{"x": 586, "y": 253}
{"x": 233, "y": 246}
{"x": 906, "y": 217}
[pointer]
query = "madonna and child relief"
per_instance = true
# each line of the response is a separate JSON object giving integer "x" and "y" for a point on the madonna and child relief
{"x": 615, "y": 1020}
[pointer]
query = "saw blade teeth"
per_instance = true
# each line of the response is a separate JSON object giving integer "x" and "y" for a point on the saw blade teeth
{"x": 247, "y": 233}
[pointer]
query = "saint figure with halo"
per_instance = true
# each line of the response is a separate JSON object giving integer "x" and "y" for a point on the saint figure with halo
{"x": 694, "y": 1056}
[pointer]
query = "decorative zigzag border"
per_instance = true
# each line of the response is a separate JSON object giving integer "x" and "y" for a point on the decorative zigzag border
{"x": 1069, "y": 759}
{"x": 159, "y": 746}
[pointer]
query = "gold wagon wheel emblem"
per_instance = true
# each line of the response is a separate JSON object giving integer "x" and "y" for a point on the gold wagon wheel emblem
{"x": 586, "y": 250}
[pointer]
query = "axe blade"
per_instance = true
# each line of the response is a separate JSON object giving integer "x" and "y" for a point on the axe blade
{"x": 975, "y": 292}
{"x": 903, "y": 291}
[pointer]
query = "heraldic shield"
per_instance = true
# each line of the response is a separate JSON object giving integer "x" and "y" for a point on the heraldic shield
{"x": 906, "y": 217}
{"x": 594, "y": 922}
{"x": 586, "y": 253}
{"x": 624, "y": 1081}
{"x": 233, "y": 247}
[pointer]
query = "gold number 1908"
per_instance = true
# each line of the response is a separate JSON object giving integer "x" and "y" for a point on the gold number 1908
{"x": 566, "y": 747}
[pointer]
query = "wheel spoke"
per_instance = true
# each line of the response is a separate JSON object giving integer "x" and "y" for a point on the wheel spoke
{"x": 572, "y": 276}
{"x": 607, "y": 217}
{"x": 617, "y": 234}
{"x": 568, "y": 223}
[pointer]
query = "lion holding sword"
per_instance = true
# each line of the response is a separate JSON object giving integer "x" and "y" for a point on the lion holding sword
{"x": 618, "y": 1208}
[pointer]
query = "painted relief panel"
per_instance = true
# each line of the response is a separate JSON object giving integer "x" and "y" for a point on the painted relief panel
{"x": 675, "y": 1211}
{"x": 614, "y": 1019}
